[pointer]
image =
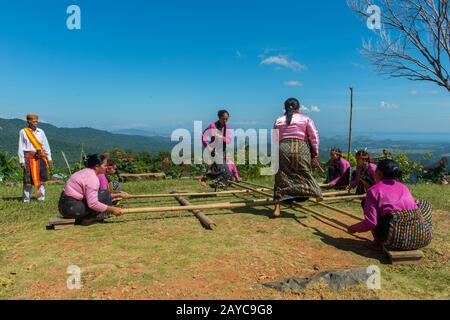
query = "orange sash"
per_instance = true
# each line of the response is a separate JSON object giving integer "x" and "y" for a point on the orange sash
{"x": 38, "y": 146}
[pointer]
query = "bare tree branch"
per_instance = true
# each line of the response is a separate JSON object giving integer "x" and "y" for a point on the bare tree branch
{"x": 414, "y": 41}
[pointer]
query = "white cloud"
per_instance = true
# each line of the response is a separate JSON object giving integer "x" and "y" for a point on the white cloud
{"x": 293, "y": 83}
{"x": 315, "y": 109}
{"x": 283, "y": 61}
{"x": 387, "y": 105}
{"x": 305, "y": 109}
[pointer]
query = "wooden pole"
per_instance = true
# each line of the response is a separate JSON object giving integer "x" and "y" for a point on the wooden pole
{"x": 262, "y": 186}
{"x": 252, "y": 189}
{"x": 332, "y": 208}
{"x": 350, "y": 130}
{"x": 362, "y": 196}
{"x": 67, "y": 163}
{"x": 224, "y": 205}
{"x": 327, "y": 196}
{"x": 198, "y": 194}
{"x": 204, "y": 220}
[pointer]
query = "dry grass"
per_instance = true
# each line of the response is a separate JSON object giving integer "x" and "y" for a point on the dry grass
{"x": 170, "y": 256}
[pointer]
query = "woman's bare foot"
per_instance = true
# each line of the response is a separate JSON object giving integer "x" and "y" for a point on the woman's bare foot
{"x": 203, "y": 181}
{"x": 277, "y": 211}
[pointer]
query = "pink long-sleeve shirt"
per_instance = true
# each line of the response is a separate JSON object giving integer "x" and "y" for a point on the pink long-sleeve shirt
{"x": 85, "y": 184}
{"x": 233, "y": 169}
{"x": 385, "y": 197}
{"x": 372, "y": 167}
{"x": 104, "y": 183}
{"x": 302, "y": 128}
{"x": 211, "y": 131}
{"x": 343, "y": 166}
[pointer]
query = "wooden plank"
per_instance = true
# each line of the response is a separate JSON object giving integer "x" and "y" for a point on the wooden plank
{"x": 63, "y": 226}
{"x": 60, "y": 221}
{"x": 204, "y": 220}
{"x": 404, "y": 257}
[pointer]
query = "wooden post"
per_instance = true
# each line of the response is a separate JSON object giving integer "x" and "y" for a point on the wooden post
{"x": 350, "y": 131}
{"x": 67, "y": 163}
{"x": 204, "y": 220}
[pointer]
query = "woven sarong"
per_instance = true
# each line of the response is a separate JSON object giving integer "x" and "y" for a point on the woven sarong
{"x": 407, "y": 229}
{"x": 36, "y": 171}
{"x": 294, "y": 178}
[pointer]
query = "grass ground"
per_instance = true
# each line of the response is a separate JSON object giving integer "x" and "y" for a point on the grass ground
{"x": 170, "y": 256}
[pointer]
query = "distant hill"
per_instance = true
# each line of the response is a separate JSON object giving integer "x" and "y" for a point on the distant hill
{"x": 69, "y": 140}
{"x": 138, "y": 132}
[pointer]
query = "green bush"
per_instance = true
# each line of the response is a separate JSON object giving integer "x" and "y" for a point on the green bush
{"x": 10, "y": 169}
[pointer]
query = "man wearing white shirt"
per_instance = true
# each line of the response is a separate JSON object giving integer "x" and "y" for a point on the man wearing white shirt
{"x": 35, "y": 158}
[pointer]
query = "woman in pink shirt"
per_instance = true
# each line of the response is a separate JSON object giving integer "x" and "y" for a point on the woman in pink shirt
{"x": 338, "y": 176}
{"x": 215, "y": 139}
{"x": 82, "y": 197}
{"x": 298, "y": 141}
{"x": 392, "y": 214}
{"x": 364, "y": 177}
{"x": 111, "y": 186}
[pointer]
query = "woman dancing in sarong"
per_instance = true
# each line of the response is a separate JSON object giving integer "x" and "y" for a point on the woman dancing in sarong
{"x": 298, "y": 141}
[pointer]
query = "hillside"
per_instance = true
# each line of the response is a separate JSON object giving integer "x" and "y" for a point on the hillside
{"x": 69, "y": 140}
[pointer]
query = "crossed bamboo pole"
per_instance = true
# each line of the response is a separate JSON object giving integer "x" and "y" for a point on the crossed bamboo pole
{"x": 190, "y": 194}
{"x": 225, "y": 205}
{"x": 331, "y": 196}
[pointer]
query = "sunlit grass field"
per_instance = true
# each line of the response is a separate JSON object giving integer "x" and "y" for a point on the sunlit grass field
{"x": 170, "y": 255}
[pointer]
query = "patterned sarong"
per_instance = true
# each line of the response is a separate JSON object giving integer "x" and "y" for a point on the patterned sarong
{"x": 407, "y": 229}
{"x": 36, "y": 170}
{"x": 294, "y": 178}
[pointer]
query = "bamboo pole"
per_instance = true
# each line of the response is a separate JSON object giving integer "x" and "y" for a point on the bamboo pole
{"x": 204, "y": 220}
{"x": 312, "y": 199}
{"x": 335, "y": 209}
{"x": 186, "y": 194}
{"x": 362, "y": 196}
{"x": 224, "y": 205}
{"x": 326, "y": 194}
{"x": 252, "y": 189}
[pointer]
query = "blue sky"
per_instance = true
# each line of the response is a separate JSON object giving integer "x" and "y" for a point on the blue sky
{"x": 161, "y": 65}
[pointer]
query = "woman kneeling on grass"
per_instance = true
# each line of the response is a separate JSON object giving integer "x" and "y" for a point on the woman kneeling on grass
{"x": 396, "y": 220}
{"x": 107, "y": 183}
{"x": 82, "y": 198}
